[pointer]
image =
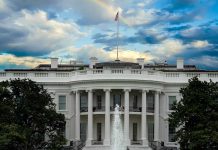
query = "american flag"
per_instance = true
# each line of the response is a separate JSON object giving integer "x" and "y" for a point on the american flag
{"x": 117, "y": 16}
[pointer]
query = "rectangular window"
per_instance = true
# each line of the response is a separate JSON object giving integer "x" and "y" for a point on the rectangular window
{"x": 134, "y": 131}
{"x": 172, "y": 132}
{"x": 99, "y": 102}
{"x": 83, "y": 128}
{"x": 172, "y": 100}
{"x": 62, "y": 102}
{"x": 99, "y": 131}
{"x": 150, "y": 103}
{"x": 83, "y": 103}
{"x": 117, "y": 100}
{"x": 135, "y": 101}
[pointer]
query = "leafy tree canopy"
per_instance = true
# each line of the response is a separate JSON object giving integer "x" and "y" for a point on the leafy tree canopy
{"x": 196, "y": 116}
{"x": 28, "y": 119}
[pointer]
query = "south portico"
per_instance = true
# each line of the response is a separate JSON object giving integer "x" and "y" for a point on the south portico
{"x": 96, "y": 115}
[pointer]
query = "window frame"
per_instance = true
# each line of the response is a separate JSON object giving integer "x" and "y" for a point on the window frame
{"x": 169, "y": 133}
{"x": 168, "y": 106}
{"x": 62, "y": 95}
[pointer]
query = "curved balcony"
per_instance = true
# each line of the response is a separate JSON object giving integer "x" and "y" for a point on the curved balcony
{"x": 83, "y": 109}
{"x": 150, "y": 109}
{"x": 112, "y": 108}
{"x": 136, "y": 142}
{"x": 97, "y": 142}
{"x": 98, "y": 109}
{"x": 135, "y": 109}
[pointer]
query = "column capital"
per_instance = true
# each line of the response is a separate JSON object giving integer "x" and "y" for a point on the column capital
{"x": 105, "y": 90}
{"x": 158, "y": 91}
{"x": 145, "y": 90}
{"x": 127, "y": 90}
{"x": 76, "y": 91}
{"x": 89, "y": 90}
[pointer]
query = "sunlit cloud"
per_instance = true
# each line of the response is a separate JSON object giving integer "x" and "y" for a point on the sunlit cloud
{"x": 30, "y": 62}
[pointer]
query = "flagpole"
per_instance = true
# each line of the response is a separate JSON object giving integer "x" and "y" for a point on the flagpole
{"x": 118, "y": 36}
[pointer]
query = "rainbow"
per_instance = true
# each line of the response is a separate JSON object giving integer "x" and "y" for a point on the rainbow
{"x": 104, "y": 5}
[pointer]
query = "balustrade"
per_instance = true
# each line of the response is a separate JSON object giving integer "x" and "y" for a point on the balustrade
{"x": 136, "y": 142}
{"x": 98, "y": 109}
{"x": 123, "y": 73}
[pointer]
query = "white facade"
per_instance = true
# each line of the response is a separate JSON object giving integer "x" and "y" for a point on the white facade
{"x": 87, "y": 98}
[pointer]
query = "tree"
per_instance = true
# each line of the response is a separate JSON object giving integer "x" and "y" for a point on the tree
{"x": 196, "y": 116}
{"x": 28, "y": 119}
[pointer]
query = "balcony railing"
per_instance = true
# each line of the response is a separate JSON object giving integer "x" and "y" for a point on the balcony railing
{"x": 112, "y": 108}
{"x": 98, "y": 109}
{"x": 96, "y": 142}
{"x": 135, "y": 109}
{"x": 136, "y": 142}
{"x": 83, "y": 109}
{"x": 93, "y": 74}
{"x": 150, "y": 109}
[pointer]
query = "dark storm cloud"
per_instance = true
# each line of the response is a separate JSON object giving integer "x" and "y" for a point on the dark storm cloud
{"x": 178, "y": 28}
{"x": 209, "y": 33}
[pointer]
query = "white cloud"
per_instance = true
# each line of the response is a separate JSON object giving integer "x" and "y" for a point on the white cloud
{"x": 168, "y": 47}
{"x": 24, "y": 61}
{"x": 140, "y": 17}
{"x": 200, "y": 44}
{"x": 88, "y": 51}
{"x": 209, "y": 61}
{"x": 94, "y": 11}
{"x": 37, "y": 33}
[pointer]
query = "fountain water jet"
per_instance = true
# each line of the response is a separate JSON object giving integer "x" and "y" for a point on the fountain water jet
{"x": 117, "y": 132}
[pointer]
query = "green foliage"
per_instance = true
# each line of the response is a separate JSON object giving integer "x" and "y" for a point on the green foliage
{"x": 196, "y": 116}
{"x": 28, "y": 119}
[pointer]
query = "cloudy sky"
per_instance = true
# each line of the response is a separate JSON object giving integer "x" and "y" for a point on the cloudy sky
{"x": 32, "y": 31}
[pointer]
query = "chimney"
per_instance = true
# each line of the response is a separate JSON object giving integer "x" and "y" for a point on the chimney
{"x": 54, "y": 63}
{"x": 93, "y": 61}
{"x": 180, "y": 63}
{"x": 141, "y": 62}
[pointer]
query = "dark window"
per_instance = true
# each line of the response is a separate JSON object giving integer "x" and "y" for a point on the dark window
{"x": 117, "y": 100}
{"x": 99, "y": 131}
{"x": 172, "y": 100}
{"x": 134, "y": 131}
{"x": 150, "y": 131}
{"x": 62, "y": 102}
{"x": 99, "y": 102}
{"x": 83, "y": 127}
{"x": 83, "y": 101}
{"x": 172, "y": 132}
{"x": 135, "y": 101}
{"x": 150, "y": 103}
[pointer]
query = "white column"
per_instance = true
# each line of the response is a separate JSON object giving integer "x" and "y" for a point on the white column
{"x": 77, "y": 115}
{"x": 90, "y": 118}
{"x": 126, "y": 116}
{"x": 156, "y": 116}
{"x": 107, "y": 117}
{"x": 144, "y": 119}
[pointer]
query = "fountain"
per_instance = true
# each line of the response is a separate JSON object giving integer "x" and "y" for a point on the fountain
{"x": 117, "y": 132}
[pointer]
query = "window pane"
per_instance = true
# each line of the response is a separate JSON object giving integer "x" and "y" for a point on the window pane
{"x": 134, "y": 131}
{"x": 83, "y": 101}
{"x": 99, "y": 131}
{"x": 135, "y": 101}
{"x": 62, "y": 103}
{"x": 99, "y": 101}
{"x": 172, "y": 132}
{"x": 172, "y": 100}
{"x": 117, "y": 100}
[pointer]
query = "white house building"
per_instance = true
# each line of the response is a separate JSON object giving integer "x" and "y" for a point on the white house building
{"x": 87, "y": 94}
